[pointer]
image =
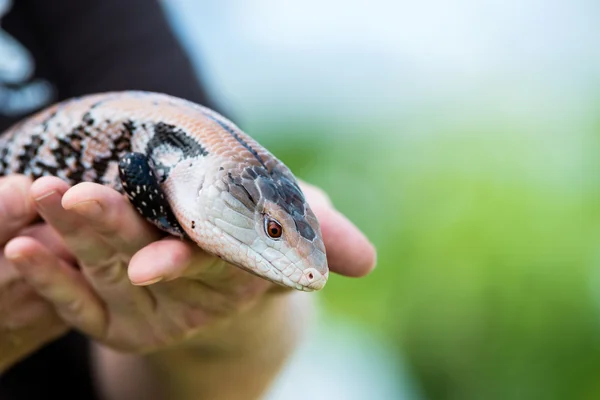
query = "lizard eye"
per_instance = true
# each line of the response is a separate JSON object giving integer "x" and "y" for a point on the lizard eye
{"x": 273, "y": 228}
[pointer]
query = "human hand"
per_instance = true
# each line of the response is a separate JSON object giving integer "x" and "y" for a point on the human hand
{"x": 27, "y": 321}
{"x": 116, "y": 247}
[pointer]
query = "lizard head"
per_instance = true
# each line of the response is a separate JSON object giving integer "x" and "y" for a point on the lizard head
{"x": 254, "y": 218}
{"x": 277, "y": 235}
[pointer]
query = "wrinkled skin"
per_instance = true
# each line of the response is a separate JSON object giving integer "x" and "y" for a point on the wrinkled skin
{"x": 26, "y": 320}
{"x": 94, "y": 227}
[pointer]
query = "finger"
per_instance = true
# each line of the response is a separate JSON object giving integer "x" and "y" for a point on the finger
{"x": 48, "y": 236}
{"x": 21, "y": 308}
{"x": 47, "y": 193}
{"x": 16, "y": 208}
{"x": 170, "y": 258}
{"x": 111, "y": 216}
{"x": 349, "y": 252}
{"x": 58, "y": 283}
{"x": 103, "y": 265}
{"x": 207, "y": 285}
{"x": 165, "y": 260}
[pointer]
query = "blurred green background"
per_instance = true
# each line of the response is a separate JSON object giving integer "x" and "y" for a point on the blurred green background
{"x": 486, "y": 277}
{"x": 467, "y": 153}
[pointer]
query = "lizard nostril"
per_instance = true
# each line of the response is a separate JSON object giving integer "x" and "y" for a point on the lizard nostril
{"x": 312, "y": 275}
{"x": 313, "y": 279}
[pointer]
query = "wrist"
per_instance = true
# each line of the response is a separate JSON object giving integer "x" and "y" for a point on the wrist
{"x": 248, "y": 348}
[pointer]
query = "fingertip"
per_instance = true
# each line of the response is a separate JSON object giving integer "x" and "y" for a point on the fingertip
{"x": 34, "y": 262}
{"x": 47, "y": 184}
{"x": 369, "y": 260}
{"x": 57, "y": 282}
{"x": 89, "y": 191}
{"x": 349, "y": 252}
{"x": 20, "y": 248}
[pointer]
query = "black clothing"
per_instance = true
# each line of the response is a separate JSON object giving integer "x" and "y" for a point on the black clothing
{"x": 51, "y": 50}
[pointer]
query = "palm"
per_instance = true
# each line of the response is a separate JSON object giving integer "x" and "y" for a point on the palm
{"x": 178, "y": 290}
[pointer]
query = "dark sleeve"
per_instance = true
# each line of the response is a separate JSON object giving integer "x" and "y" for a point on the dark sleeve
{"x": 92, "y": 46}
{"x": 81, "y": 47}
{"x": 60, "y": 370}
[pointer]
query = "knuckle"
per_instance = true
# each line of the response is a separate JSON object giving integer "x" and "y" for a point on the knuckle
{"x": 111, "y": 271}
{"x": 74, "y": 305}
{"x": 103, "y": 228}
{"x": 43, "y": 286}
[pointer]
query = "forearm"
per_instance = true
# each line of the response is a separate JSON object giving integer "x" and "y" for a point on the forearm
{"x": 239, "y": 358}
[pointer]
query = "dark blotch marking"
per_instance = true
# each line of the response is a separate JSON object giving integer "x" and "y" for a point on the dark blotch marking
{"x": 28, "y": 160}
{"x": 174, "y": 136}
{"x": 249, "y": 173}
{"x": 137, "y": 174}
{"x": 4, "y": 159}
{"x": 121, "y": 146}
{"x": 305, "y": 230}
{"x": 98, "y": 103}
{"x": 268, "y": 189}
{"x": 238, "y": 188}
{"x": 87, "y": 118}
{"x": 289, "y": 197}
{"x": 29, "y": 152}
{"x": 47, "y": 120}
{"x": 129, "y": 127}
{"x": 71, "y": 146}
{"x": 278, "y": 187}
{"x": 242, "y": 194}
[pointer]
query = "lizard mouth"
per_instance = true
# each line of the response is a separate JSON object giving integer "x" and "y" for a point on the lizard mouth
{"x": 308, "y": 280}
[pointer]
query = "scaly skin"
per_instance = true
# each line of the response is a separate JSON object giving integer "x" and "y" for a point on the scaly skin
{"x": 221, "y": 185}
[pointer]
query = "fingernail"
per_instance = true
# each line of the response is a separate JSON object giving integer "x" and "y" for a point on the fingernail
{"x": 88, "y": 208}
{"x": 16, "y": 258}
{"x": 45, "y": 195}
{"x": 150, "y": 282}
{"x": 41, "y": 200}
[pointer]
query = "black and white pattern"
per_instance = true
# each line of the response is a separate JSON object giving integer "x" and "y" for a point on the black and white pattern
{"x": 145, "y": 194}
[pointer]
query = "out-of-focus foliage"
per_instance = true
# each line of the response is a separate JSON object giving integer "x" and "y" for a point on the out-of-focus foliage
{"x": 488, "y": 251}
